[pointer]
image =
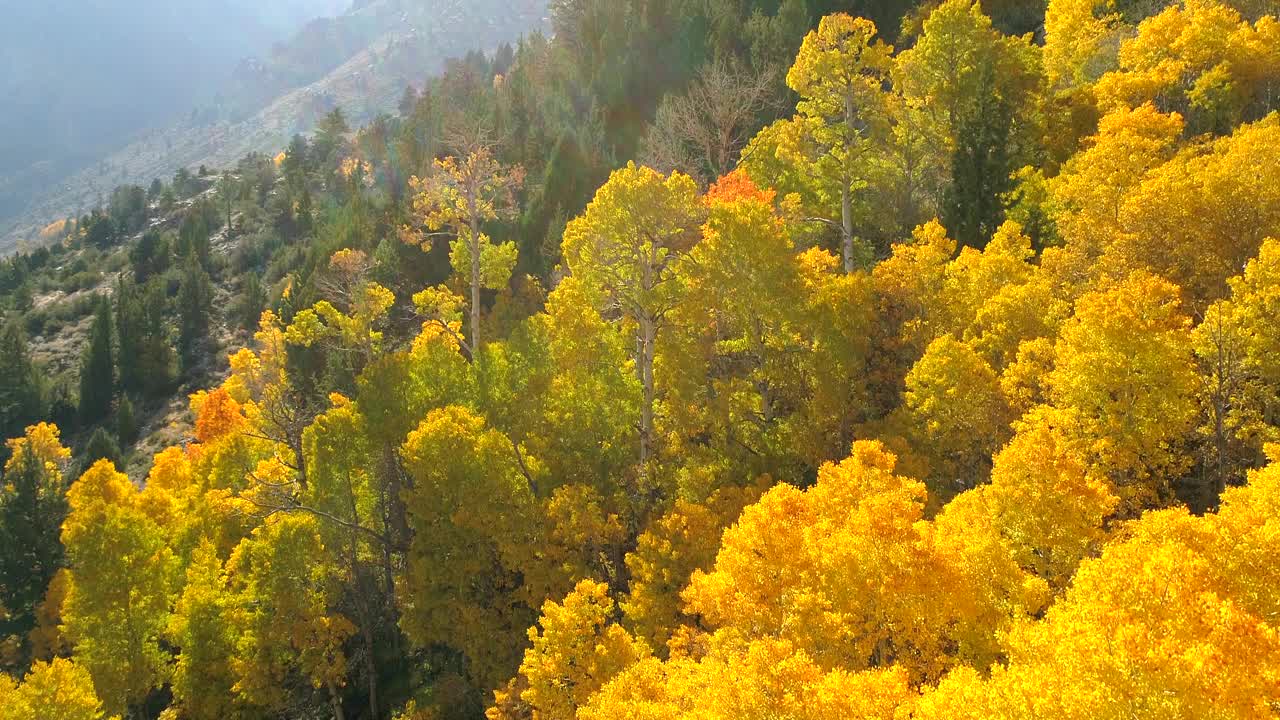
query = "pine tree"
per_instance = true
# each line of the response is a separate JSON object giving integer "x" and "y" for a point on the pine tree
{"x": 253, "y": 300}
{"x": 981, "y": 167}
{"x": 97, "y": 374}
{"x": 126, "y": 422}
{"x": 157, "y": 360}
{"x": 32, "y": 507}
{"x": 102, "y": 446}
{"x": 21, "y": 398}
{"x": 129, "y": 334}
{"x": 194, "y": 298}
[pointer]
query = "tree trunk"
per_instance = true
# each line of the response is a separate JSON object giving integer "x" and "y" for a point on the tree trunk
{"x": 846, "y": 197}
{"x": 335, "y": 701}
{"x": 648, "y": 332}
{"x": 370, "y": 666}
{"x": 475, "y": 287}
{"x": 846, "y": 225}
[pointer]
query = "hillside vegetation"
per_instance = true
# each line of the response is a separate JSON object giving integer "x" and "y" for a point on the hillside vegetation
{"x": 709, "y": 360}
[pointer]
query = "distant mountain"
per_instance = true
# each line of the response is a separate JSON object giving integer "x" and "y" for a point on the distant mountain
{"x": 81, "y": 77}
{"x": 219, "y": 109}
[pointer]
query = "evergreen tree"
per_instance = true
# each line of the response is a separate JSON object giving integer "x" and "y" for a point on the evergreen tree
{"x": 157, "y": 361}
{"x": 63, "y": 411}
{"x": 195, "y": 232}
{"x": 126, "y": 422}
{"x": 295, "y": 165}
{"x": 253, "y": 300}
{"x": 129, "y": 334}
{"x": 102, "y": 446}
{"x": 195, "y": 295}
{"x": 21, "y": 401}
{"x": 97, "y": 371}
{"x": 182, "y": 183}
{"x": 331, "y": 135}
{"x": 149, "y": 256}
{"x": 981, "y": 167}
{"x": 32, "y": 507}
{"x": 100, "y": 230}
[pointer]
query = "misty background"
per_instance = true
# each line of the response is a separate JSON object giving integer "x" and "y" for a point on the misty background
{"x": 80, "y": 78}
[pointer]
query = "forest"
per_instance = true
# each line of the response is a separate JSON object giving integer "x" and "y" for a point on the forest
{"x": 698, "y": 360}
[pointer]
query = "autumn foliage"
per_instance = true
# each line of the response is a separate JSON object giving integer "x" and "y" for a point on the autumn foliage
{"x": 828, "y": 438}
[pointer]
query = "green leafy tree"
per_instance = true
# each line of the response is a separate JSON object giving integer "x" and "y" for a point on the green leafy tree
{"x": 626, "y": 247}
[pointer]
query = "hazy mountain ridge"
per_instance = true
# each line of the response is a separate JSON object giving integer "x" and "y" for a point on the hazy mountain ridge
{"x": 82, "y": 78}
{"x": 360, "y": 60}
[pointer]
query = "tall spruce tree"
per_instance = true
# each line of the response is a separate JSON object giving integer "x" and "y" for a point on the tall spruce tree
{"x": 97, "y": 371}
{"x": 157, "y": 362}
{"x": 981, "y": 166}
{"x": 32, "y": 507}
{"x": 21, "y": 396}
{"x": 130, "y": 323}
{"x": 194, "y": 298}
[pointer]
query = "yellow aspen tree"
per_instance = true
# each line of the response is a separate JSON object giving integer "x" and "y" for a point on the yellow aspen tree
{"x": 627, "y": 247}
{"x": 471, "y": 512}
{"x": 123, "y": 576}
{"x": 577, "y": 647}
{"x": 1171, "y": 622}
{"x": 1093, "y": 186}
{"x": 1235, "y": 345}
{"x": 958, "y": 414}
{"x": 1081, "y": 40}
{"x": 201, "y": 626}
{"x": 284, "y": 587}
{"x": 46, "y": 638}
{"x": 1199, "y": 57}
{"x": 1042, "y": 501}
{"x": 762, "y": 678}
{"x": 840, "y": 75}
{"x": 1200, "y": 217}
{"x": 753, "y": 336}
{"x": 577, "y": 414}
{"x": 857, "y": 581}
{"x": 1125, "y": 375}
{"x": 57, "y": 690}
{"x": 910, "y": 310}
{"x": 667, "y": 553}
{"x": 1025, "y": 381}
{"x": 459, "y": 198}
{"x": 836, "y": 326}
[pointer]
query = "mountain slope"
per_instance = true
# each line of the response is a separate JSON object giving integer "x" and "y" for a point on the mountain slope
{"x": 81, "y": 78}
{"x": 360, "y": 60}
